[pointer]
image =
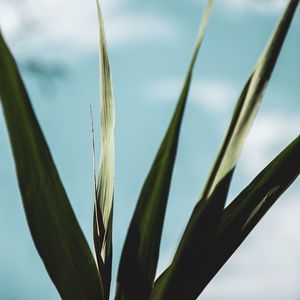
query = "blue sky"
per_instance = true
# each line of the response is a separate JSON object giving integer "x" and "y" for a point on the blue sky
{"x": 150, "y": 44}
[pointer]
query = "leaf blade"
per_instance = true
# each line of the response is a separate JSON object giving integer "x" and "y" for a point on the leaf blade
{"x": 247, "y": 209}
{"x": 140, "y": 252}
{"x": 249, "y": 103}
{"x": 182, "y": 278}
{"x": 53, "y": 225}
{"x": 103, "y": 212}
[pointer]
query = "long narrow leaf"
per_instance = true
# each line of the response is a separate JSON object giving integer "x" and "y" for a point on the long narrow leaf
{"x": 140, "y": 254}
{"x": 248, "y": 104}
{"x": 243, "y": 214}
{"x": 188, "y": 268}
{"x": 105, "y": 184}
{"x": 53, "y": 225}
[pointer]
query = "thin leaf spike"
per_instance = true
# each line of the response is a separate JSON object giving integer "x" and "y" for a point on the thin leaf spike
{"x": 105, "y": 183}
{"x": 249, "y": 103}
{"x": 54, "y": 228}
{"x": 189, "y": 264}
{"x": 140, "y": 253}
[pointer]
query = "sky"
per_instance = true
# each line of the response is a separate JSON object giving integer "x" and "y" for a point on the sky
{"x": 150, "y": 45}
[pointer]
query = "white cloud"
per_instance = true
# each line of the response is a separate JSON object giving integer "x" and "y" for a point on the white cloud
{"x": 74, "y": 23}
{"x": 10, "y": 21}
{"x": 213, "y": 95}
{"x": 128, "y": 28}
{"x": 270, "y": 133}
{"x": 260, "y": 6}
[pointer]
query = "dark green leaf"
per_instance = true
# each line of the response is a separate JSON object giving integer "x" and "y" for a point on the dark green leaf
{"x": 241, "y": 216}
{"x": 183, "y": 278}
{"x": 140, "y": 254}
{"x": 53, "y": 225}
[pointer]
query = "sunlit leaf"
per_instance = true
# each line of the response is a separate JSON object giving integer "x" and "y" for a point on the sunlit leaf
{"x": 105, "y": 184}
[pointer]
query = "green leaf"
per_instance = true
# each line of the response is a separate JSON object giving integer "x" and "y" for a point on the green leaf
{"x": 188, "y": 268}
{"x": 140, "y": 253}
{"x": 105, "y": 184}
{"x": 241, "y": 216}
{"x": 53, "y": 225}
{"x": 248, "y": 105}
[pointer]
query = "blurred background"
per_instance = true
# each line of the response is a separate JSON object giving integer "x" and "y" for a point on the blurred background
{"x": 150, "y": 44}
